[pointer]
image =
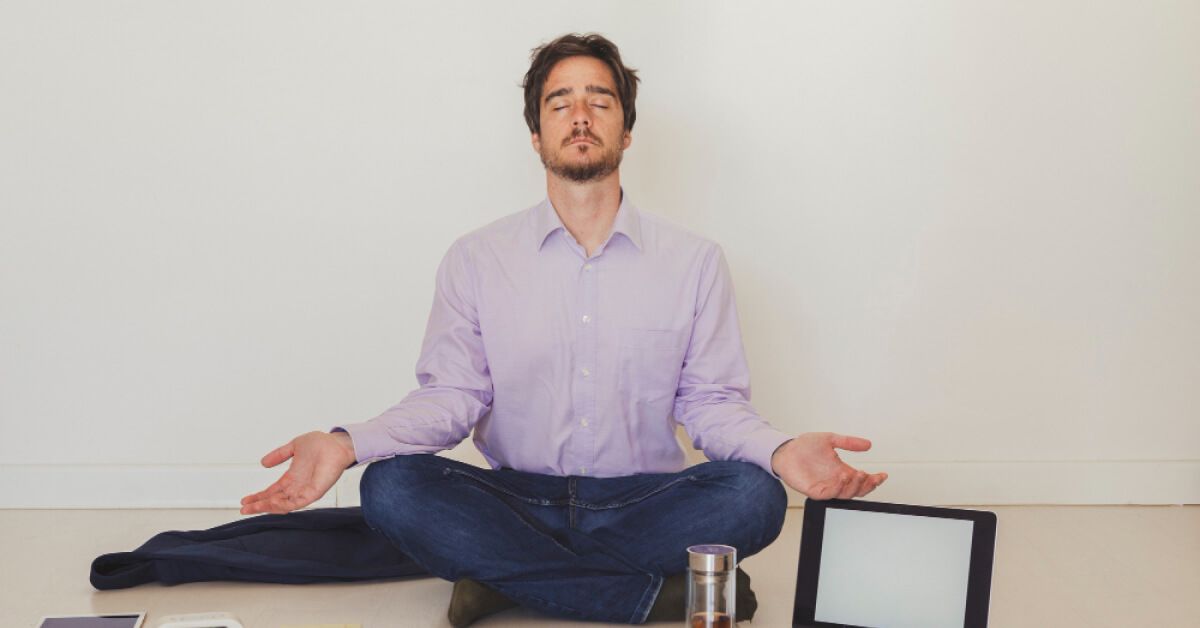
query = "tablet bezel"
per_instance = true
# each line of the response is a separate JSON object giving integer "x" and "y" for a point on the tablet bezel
{"x": 139, "y": 616}
{"x": 979, "y": 580}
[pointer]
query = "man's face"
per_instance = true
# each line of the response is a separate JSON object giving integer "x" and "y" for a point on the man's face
{"x": 583, "y": 126}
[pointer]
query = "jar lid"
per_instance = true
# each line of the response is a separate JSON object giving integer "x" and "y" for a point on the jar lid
{"x": 712, "y": 558}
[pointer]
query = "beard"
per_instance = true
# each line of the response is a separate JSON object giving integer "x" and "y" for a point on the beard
{"x": 600, "y": 162}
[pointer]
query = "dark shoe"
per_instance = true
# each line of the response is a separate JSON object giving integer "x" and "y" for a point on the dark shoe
{"x": 472, "y": 600}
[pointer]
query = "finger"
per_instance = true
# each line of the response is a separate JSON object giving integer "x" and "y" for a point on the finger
{"x": 263, "y": 497}
{"x": 252, "y": 497}
{"x": 262, "y": 500}
{"x": 851, "y": 443}
{"x": 830, "y": 489}
{"x": 281, "y": 484}
{"x": 825, "y": 491}
{"x": 256, "y": 506}
{"x": 278, "y": 504}
{"x": 868, "y": 485}
{"x": 279, "y": 455}
{"x": 851, "y": 487}
{"x": 872, "y": 483}
{"x": 274, "y": 508}
{"x": 290, "y": 500}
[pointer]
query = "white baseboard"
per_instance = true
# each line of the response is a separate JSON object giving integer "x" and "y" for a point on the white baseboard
{"x": 930, "y": 483}
{"x": 1157, "y": 482}
{"x": 133, "y": 486}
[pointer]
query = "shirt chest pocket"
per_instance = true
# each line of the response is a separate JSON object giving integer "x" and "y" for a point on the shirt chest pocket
{"x": 666, "y": 339}
{"x": 649, "y": 361}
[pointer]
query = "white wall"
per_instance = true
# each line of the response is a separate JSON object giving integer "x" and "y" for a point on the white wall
{"x": 964, "y": 230}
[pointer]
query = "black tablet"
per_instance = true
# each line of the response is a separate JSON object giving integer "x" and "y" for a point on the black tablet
{"x": 111, "y": 620}
{"x": 874, "y": 565}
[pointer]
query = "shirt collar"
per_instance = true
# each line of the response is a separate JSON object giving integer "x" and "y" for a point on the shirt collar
{"x": 627, "y": 222}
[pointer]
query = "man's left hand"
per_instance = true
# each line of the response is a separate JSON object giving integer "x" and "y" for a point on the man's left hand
{"x": 809, "y": 464}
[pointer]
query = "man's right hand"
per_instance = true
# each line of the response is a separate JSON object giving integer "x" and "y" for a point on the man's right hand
{"x": 318, "y": 460}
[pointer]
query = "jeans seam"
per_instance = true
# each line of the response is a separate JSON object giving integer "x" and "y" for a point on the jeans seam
{"x": 540, "y": 533}
{"x": 656, "y": 491}
{"x": 529, "y": 500}
{"x": 642, "y": 610}
{"x": 572, "y": 504}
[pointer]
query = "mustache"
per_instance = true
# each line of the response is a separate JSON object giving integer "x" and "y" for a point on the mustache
{"x": 582, "y": 134}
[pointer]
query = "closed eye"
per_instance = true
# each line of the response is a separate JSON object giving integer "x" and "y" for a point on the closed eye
{"x": 561, "y": 107}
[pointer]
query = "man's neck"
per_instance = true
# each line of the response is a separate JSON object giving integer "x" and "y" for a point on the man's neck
{"x": 587, "y": 210}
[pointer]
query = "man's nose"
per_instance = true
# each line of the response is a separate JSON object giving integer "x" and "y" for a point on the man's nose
{"x": 581, "y": 116}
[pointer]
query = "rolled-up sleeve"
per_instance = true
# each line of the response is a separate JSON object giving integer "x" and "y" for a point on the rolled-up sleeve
{"x": 713, "y": 399}
{"x": 455, "y": 384}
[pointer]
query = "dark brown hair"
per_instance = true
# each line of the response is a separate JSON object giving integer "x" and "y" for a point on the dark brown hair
{"x": 572, "y": 45}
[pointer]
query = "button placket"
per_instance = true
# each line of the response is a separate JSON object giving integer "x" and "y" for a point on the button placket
{"x": 584, "y": 402}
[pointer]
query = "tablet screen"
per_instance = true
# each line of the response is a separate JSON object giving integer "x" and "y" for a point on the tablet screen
{"x": 95, "y": 621}
{"x": 887, "y": 569}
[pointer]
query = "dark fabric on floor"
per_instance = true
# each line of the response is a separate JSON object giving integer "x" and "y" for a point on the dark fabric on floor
{"x": 318, "y": 545}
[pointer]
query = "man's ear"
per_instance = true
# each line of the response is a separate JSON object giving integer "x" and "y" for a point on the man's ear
{"x": 627, "y": 140}
{"x": 536, "y": 140}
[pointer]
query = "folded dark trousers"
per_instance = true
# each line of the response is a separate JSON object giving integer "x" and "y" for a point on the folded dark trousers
{"x": 318, "y": 545}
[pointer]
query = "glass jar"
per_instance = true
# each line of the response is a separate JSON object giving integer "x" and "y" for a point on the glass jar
{"x": 711, "y": 586}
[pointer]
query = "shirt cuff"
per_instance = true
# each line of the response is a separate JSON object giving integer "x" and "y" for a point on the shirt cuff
{"x": 761, "y": 445}
{"x": 366, "y": 438}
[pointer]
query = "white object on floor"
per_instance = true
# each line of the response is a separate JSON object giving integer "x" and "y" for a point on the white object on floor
{"x": 200, "y": 620}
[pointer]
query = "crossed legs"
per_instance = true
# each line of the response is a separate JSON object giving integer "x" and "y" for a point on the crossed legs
{"x": 586, "y": 548}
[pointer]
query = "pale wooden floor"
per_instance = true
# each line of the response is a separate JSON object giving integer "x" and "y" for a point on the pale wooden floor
{"x": 1055, "y": 566}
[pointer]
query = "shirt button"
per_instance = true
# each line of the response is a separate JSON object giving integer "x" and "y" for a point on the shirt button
{"x": 586, "y": 318}
{"x": 582, "y": 470}
{"x": 585, "y": 372}
{"x": 583, "y": 422}
{"x": 587, "y": 267}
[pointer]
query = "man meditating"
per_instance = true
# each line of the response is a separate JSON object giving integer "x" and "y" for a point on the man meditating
{"x": 572, "y": 337}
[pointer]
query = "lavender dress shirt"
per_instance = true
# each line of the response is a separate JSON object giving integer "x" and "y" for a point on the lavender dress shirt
{"x": 565, "y": 364}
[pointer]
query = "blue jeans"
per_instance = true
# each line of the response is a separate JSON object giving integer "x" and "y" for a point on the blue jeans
{"x": 579, "y": 547}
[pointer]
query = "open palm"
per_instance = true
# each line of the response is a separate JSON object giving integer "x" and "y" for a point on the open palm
{"x": 318, "y": 460}
{"x": 810, "y": 464}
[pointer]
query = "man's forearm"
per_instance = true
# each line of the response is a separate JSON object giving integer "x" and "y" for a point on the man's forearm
{"x": 428, "y": 420}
